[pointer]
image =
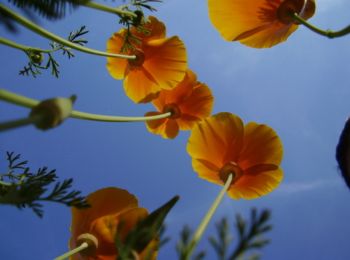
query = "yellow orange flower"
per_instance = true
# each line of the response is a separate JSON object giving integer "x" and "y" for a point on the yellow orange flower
{"x": 160, "y": 62}
{"x": 258, "y": 23}
{"x": 111, "y": 209}
{"x": 189, "y": 102}
{"x": 222, "y": 144}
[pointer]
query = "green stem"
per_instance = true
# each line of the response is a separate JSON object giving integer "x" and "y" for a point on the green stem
{"x": 30, "y": 103}
{"x": 80, "y": 248}
{"x": 19, "y": 122}
{"x": 41, "y": 31}
{"x": 327, "y": 33}
{"x": 104, "y": 8}
{"x": 205, "y": 221}
{"x": 5, "y": 183}
{"x": 22, "y": 47}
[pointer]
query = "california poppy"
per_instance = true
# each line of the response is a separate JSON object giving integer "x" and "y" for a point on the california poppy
{"x": 258, "y": 23}
{"x": 160, "y": 62}
{"x": 189, "y": 102}
{"x": 112, "y": 210}
{"x": 221, "y": 145}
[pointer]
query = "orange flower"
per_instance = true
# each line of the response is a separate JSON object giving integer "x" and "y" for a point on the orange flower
{"x": 160, "y": 62}
{"x": 258, "y": 23}
{"x": 109, "y": 208}
{"x": 189, "y": 102}
{"x": 221, "y": 145}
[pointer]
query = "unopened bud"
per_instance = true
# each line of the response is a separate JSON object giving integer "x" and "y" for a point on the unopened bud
{"x": 52, "y": 112}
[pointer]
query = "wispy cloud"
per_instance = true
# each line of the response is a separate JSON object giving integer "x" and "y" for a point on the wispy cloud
{"x": 297, "y": 187}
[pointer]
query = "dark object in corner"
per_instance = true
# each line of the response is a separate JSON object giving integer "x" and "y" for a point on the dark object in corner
{"x": 343, "y": 152}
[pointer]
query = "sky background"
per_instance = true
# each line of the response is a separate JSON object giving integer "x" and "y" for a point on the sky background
{"x": 300, "y": 88}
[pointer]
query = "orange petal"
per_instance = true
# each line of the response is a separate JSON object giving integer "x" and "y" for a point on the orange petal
{"x": 272, "y": 35}
{"x": 198, "y": 105}
{"x": 116, "y": 66}
{"x": 154, "y": 29}
{"x": 255, "y": 186}
{"x": 155, "y": 126}
{"x": 177, "y": 94}
{"x": 128, "y": 220}
{"x": 206, "y": 170}
{"x": 253, "y": 23}
{"x": 217, "y": 139}
{"x": 261, "y": 146}
{"x": 163, "y": 68}
{"x": 103, "y": 202}
{"x": 166, "y": 61}
{"x": 234, "y": 17}
{"x": 171, "y": 129}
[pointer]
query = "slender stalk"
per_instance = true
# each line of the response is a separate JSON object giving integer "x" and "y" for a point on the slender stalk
{"x": 113, "y": 10}
{"x": 73, "y": 252}
{"x": 30, "y": 103}
{"x": 5, "y": 183}
{"x": 205, "y": 221}
{"x": 41, "y": 31}
{"x": 19, "y": 122}
{"x": 22, "y": 47}
{"x": 327, "y": 33}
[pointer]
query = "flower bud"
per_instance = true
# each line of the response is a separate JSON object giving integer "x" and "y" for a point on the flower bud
{"x": 52, "y": 112}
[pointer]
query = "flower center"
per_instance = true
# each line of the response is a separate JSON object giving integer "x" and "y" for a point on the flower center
{"x": 92, "y": 242}
{"x": 173, "y": 109}
{"x": 230, "y": 168}
{"x": 138, "y": 61}
{"x": 288, "y": 7}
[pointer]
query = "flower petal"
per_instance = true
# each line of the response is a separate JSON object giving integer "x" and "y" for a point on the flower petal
{"x": 261, "y": 146}
{"x": 270, "y": 36}
{"x": 116, "y": 66}
{"x": 216, "y": 139}
{"x": 198, "y": 105}
{"x": 103, "y": 202}
{"x": 156, "y": 126}
{"x": 171, "y": 129}
{"x": 234, "y": 17}
{"x": 166, "y": 61}
{"x": 153, "y": 29}
{"x": 255, "y": 186}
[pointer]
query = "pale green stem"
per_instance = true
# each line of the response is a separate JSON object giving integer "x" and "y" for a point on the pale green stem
{"x": 327, "y": 33}
{"x": 41, "y": 31}
{"x": 80, "y": 248}
{"x": 30, "y": 103}
{"x": 22, "y": 47}
{"x": 19, "y": 122}
{"x": 205, "y": 221}
{"x": 5, "y": 183}
{"x": 113, "y": 10}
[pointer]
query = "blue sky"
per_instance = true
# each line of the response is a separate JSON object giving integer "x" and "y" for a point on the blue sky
{"x": 300, "y": 88}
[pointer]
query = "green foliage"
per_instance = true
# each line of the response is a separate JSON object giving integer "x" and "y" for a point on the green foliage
{"x": 145, "y": 231}
{"x": 35, "y": 67}
{"x": 50, "y": 9}
{"x": 250, "y": 237}
{"x": 22, "y": 188}
{"x": 183, "y": 245}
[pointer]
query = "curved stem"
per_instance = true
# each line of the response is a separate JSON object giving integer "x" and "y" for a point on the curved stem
{"x": 19, "y": 46}
{"x": 205, "y": 221}
{"x": 115, "y": 10}
{"x": 78, "y": 249}
{"x": 19, "y": 122}
{"x": 41, "y": 31}
{"x": 327, "y": 33}
{"x": 30, "y": 103}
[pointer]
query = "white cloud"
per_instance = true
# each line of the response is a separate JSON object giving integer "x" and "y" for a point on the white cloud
{"x": 296, "y": 187}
